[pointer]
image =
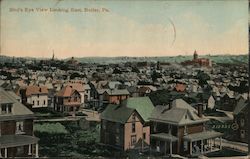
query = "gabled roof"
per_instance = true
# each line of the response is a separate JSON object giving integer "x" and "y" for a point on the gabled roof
{"x": 116, "y": 113}
{"x": 178, "y": 112}
{"x": 117, "y": 92}
{"x": 18, "y": 108}
{"x": 143, "y": 106}
{"x": 66, "y": 91}
{"x": 77, "y": 86}
{"x": 33, "y": 90}
{"x": 240, "y": 106}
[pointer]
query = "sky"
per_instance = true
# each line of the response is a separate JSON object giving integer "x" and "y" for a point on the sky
{"x": 123, "y": 28}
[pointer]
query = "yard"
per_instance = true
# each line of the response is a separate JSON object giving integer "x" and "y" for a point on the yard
{"x": 67, "y": 139}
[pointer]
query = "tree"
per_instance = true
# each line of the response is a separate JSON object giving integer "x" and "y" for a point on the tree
{"x": 155, "y": 75}
{"x": 202, "y": 77}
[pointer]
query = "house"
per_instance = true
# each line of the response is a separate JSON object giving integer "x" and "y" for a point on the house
{"x": 87, "y": 92}
{"x": 115, "y": 96}
{"x": 126, "y": 126}
{"x": 36, "y": 96}
{"x": 228, "y": 101}
{"x": 240, "y": 114}
{"x": 16, "y": 128}
{"x": 80, "y": 88}
{"x": 179, "y": 128}
{"x": 67, "y": 100}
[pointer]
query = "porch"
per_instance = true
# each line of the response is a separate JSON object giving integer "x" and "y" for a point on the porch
{"x": 8, "y": 142}
{"x": 203, "y": 142}
{"x": 164, "y": 143}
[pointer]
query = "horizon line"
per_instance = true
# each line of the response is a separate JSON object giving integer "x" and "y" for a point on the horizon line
{"x": 226, "y": 54}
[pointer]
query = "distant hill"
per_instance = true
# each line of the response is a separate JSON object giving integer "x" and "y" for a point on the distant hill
{"x": 233, "y": 59}
{"x": 217, "y": 59}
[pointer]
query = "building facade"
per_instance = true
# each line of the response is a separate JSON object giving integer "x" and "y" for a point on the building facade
{"x": 16, "y": 128}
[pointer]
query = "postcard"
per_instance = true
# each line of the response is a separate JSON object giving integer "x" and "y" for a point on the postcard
{"x": 124, "y": 79}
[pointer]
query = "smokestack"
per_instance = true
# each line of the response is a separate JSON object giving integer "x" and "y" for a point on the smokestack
{"x": 200, "y": 109}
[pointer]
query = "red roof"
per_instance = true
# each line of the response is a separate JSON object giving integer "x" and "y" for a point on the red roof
{"x": 66, "y": 91}
{"x": 180, "y": 87}
{"x": 33, "y": 90}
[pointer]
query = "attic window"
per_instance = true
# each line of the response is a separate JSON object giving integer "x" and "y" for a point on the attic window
{"x": 186, "y": 116}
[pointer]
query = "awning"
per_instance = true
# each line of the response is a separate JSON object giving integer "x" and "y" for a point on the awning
{"x": 164, "y": 136}
{"x": 202, "y": 135}
{"x": 17, "y": 140}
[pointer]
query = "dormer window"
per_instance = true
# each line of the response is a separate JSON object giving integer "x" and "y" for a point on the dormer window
{"x": 9, "y": 108}
{"x": 6, "y": 108}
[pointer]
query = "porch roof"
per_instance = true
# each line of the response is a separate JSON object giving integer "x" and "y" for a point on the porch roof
{"x": 164, "y": 136}
{"x": 17, "y": 140}
{"x": 202, "y": 135}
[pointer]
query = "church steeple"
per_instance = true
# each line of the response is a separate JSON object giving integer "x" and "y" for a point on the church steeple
{"x": 195, "y": 55}
{"x": 53, "y": 56}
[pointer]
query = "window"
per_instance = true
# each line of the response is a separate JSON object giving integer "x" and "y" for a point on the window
{"x": 75, "y": 99}
{"x": 133, "y": 127}
{"x": 144, "y": 136}
{"x": 185, "y": 130}
{"x": 44, "y": 102}
{"x": 4, "y": 109}
{"x": 242, "y": 134}
{"x": 9, "y": 108}
{"x": 117, "y": 127}
{"x": 242, "y": 122}
{"x": 38, "y": 102}
{"x": 19, "y": 127}
{"x": 117, "y": 139}
{"x": 104, "y": 124}
{"x": 133, "y": 117}
{"x": 185, "y": 145}
{"x": 33, "y": 102}
{"x": 38, "y": 96}
{"x": 133, "y": 139}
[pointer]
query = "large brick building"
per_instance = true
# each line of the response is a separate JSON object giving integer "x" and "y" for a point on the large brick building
{"x": 16, "y": 128}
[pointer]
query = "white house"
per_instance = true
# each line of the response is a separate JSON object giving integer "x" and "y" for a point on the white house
{"x": 37, "y": 96}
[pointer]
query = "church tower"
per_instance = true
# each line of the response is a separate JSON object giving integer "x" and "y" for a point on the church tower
{"x": 195, "y": 55}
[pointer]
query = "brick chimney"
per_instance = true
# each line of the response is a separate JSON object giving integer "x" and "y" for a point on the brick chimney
{"x": 200, "y": 109}
{"x": 170, "y": 103}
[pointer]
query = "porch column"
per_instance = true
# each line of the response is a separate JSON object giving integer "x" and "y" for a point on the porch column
{"x": 170, "y": 148}
{"x": 210, "y": 143}
{"x": 29, "y": 153}
{"x": 1, "y": 153}
{"x": 37, "y": 156}
{"x": 5, "y": 153}
{"x": 190, "y": 148}
{"x": 165, "y": 148}
{"x": 202, "y": 146}
{"x": 220, "y": 143}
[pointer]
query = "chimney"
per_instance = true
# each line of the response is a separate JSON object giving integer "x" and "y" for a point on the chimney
{"x": 170, "y": 103}
{"x": 200, "y": 109}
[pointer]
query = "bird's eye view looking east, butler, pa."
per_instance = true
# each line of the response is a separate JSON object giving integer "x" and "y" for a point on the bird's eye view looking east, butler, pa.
{"x": 124, "y": 79}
